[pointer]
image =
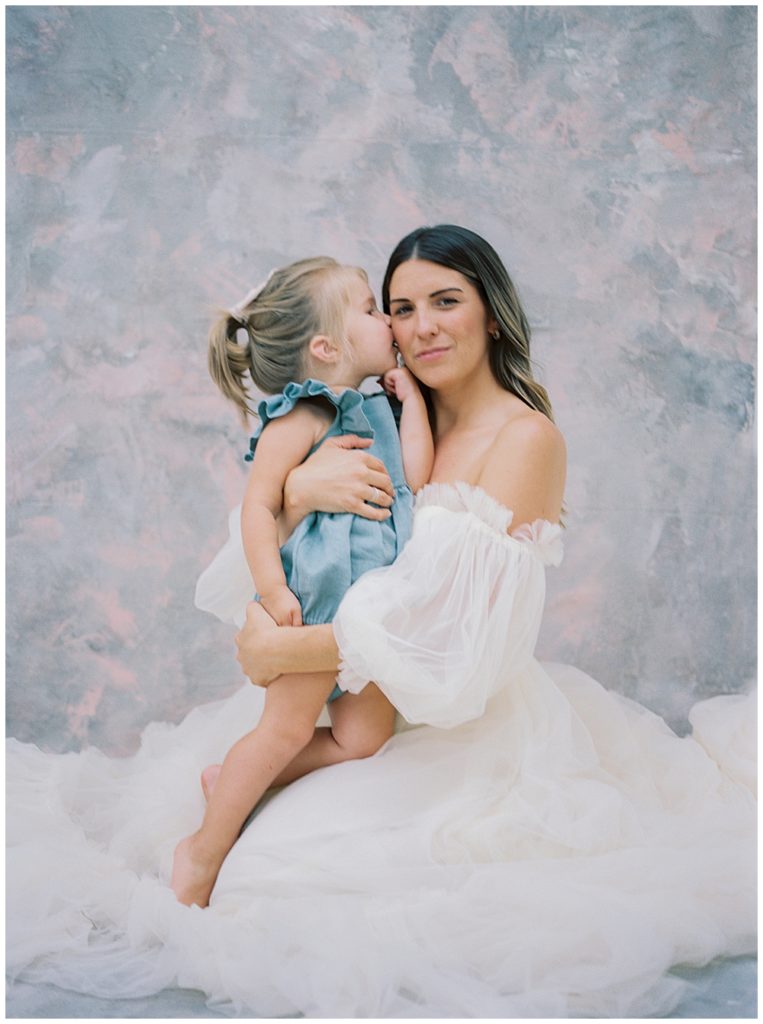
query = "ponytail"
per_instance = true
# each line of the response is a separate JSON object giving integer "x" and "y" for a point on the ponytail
{"x": 279, "y": 318}
{"x": 230, "y": 363}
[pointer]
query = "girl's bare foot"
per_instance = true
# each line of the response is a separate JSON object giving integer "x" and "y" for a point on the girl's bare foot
{"x": 193, "y": 875}
{"x": 209, "y": 779}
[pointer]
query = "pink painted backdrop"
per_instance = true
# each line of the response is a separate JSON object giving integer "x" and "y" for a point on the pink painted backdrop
{"x": 162, "y": 159}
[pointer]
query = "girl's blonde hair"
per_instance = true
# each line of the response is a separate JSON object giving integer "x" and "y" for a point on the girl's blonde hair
{"x": 297, "y": 302}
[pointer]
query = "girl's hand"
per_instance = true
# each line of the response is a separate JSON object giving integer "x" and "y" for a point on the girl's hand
{"x": 400, "y": 383}
{"x": 338, "y": 477}
{"x": 257, "y": 646}
{"x": 282, "y": 606}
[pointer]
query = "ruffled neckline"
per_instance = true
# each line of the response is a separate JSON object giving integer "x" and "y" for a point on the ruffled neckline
{"x": 544, "y": 537}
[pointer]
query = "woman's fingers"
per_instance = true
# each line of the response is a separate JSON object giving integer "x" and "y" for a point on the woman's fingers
{"x": 378, "y": 475}
{"x": 349, "y": 441}
{"x": 255, "y": 654}
{"x": 382, "y": 492}
{"x": 371, "y": 472}
{"x": 341, "y": 476}
{"x": 362, "y": 508}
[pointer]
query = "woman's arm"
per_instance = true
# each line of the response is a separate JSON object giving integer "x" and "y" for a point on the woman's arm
{"x": 338, "y": 477}
{"x": 266, "y": 651}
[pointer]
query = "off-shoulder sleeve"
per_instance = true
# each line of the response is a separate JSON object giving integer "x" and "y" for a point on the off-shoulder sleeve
{"x": 444, "y": 627}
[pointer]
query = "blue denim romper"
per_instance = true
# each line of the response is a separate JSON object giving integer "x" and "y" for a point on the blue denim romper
{"x": 328, "y": 551}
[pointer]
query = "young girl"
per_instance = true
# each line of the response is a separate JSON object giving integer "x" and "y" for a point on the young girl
{"x": 313, "y": 334}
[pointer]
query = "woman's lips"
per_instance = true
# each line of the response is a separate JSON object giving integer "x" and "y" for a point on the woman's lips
{"x": 430, "y": 354}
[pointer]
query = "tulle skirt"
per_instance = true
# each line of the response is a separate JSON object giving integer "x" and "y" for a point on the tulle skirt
{"x": 553, "y": 858}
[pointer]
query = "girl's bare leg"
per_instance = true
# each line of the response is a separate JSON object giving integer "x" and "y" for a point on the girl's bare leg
{"x": 360, "y": 724}
{"x": 292, "y": 706}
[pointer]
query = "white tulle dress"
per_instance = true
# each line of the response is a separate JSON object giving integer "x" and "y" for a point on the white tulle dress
{"x": 547, "y": 849}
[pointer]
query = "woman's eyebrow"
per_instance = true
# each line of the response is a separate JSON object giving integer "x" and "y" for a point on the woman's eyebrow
{"x": 433, "y": 295}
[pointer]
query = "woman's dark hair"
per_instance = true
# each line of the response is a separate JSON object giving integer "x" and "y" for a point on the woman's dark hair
{"x": 463, "y": 250}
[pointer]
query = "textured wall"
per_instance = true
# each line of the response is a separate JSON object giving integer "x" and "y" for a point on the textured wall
{"x": 161, "y": 160}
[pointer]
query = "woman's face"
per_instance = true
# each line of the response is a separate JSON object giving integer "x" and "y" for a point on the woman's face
{"x": 440, "y": 323}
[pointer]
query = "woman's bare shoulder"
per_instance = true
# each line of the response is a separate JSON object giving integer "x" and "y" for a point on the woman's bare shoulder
{"x": 530, "y": 432}
{"x": 526, "y": 467}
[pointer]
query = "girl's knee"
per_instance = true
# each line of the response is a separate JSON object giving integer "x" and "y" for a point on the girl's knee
{"x": 368, "y": 741}
{"x": 289, "y": 732}
{"x": 366, "y": 746}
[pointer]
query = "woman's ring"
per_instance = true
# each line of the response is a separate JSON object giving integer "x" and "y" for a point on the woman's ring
{"x": 375, "y": 496}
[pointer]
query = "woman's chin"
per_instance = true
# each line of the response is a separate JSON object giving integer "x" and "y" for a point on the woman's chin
{"x": 434, "y": 375}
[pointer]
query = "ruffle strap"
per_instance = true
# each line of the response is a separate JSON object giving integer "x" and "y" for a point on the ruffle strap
{"x": 350, "y": 418}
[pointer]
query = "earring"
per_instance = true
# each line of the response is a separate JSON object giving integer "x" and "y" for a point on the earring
{"x": 495, "y": 334}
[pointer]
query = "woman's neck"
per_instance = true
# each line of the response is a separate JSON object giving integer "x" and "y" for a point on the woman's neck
{"x": 467, "y": 422}
{"x": 463, "y": 409}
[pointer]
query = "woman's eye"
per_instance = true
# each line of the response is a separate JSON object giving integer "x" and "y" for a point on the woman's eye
{"x": 447, "y": 300}
{"x": 401, "y": 310}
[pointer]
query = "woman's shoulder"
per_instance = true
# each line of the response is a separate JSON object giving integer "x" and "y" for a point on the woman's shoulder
{"x": 527, "y": 431}
{"x": 526, "y": 466}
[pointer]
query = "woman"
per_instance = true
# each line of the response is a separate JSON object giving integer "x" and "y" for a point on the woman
{"x": 460, "y": 328}
{"x": 551, "y": 852}
{"x": 592, "y": 801}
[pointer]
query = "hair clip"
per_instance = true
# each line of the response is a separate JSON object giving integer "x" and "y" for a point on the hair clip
{"x": 237, "y": 310}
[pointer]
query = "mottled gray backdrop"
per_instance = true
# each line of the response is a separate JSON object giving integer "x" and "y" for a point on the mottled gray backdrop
{"x": 163, "y": 159}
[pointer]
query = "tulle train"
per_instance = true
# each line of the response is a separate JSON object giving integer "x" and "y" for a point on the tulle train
{"x": 552, "y": 858}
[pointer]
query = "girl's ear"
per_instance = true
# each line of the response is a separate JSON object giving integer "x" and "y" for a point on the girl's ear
{"x": 323, "y": 349}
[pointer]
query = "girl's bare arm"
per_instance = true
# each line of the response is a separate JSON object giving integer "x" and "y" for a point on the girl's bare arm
{"x": 282, "y": 445}
{"x": 416, "y": 442}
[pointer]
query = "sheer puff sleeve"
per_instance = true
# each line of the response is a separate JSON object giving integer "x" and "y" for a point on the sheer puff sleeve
{"x": 456, "y": 615}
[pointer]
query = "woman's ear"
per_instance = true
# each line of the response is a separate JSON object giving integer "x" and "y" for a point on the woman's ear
{"x": 323, "y": 349}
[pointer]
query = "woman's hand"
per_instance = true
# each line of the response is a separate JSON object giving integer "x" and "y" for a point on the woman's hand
{"x": 338, "y": 477}
{"x": 257, "y": 647}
